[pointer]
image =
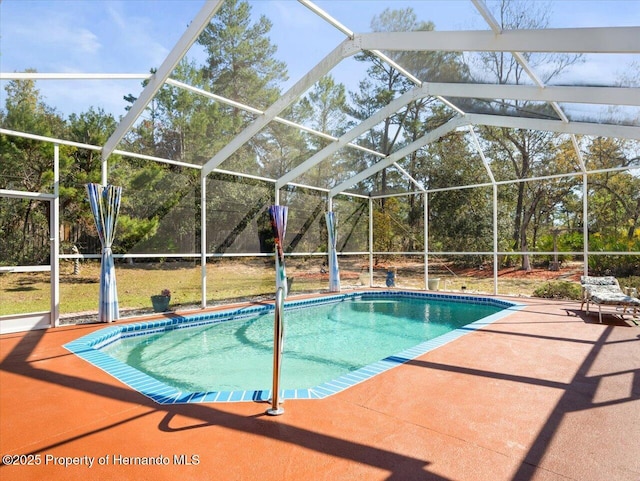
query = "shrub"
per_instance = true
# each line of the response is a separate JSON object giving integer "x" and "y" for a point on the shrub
{"x": 623, "y": 265}
{"x": 632, "y": 281}
{"x": 559, "y": 290}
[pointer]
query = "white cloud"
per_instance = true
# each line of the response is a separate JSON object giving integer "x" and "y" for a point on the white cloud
{"x": 136, "y": 36}
{"x": 85, "y": 41}
{"x": 115, "y": 14}
{"x": 46, "y": 40}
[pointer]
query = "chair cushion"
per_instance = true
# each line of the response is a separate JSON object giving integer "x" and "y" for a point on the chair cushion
{"x": 610, "y": 299}
{"x": 599, "y": 281}
{"x": 590, "y": 290}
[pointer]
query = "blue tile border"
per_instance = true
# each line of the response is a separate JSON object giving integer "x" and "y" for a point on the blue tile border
{"x": 88, "y": 348}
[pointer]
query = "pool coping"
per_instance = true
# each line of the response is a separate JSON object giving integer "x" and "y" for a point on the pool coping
{"x": 88, "y": 348}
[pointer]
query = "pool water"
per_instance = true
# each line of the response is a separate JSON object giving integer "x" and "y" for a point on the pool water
{"x": 321, "y": 342}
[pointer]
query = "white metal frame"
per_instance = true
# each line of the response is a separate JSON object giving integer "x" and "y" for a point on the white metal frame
{"x": 576, "y": 40}
{"x": 51, "y": 318}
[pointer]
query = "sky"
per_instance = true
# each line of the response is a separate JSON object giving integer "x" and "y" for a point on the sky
{"x": 133, "y": 36}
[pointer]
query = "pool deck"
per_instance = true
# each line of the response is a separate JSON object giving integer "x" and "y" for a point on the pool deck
{"x": 546, "y": 393}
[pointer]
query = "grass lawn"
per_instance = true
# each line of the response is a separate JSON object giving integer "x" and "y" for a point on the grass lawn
{"x": 228, "y": 280}
{"x": 247, "y": 278}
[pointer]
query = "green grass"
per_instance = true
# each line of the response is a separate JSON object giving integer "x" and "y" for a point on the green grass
{"x": 30, "y": 292}
{"x": 227, "y": 280}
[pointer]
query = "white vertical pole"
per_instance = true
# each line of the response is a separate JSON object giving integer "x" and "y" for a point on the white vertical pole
{"x": 495, "y": 239}
{"x": 54, "y": 223}
{"x": 278, "y": 333}
{"x": 370, "y": 242}
{"x": 585, "y": 224}
{"x": 425, "y": 214}
{"x": 104, "y": 168}
{"x": 329, "y": 209}
{"x": 203, "y": 240}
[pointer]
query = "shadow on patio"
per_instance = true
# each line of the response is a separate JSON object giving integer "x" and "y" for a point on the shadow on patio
{"x": 53, "y": 402}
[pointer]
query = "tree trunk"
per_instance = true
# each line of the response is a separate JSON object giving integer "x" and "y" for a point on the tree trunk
{"x": 632, "y": 228}
{"x": 517, "y": 225}
{"x": 526, "y": 261}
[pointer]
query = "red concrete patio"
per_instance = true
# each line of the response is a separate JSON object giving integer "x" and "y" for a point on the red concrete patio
{"x": 546, "y": 393}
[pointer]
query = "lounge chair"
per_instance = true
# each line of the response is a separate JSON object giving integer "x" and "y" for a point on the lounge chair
{"x": 606, "y": 291}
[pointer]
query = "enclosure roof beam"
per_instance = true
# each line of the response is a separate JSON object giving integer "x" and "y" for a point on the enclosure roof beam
{"x": 476, "y": 142}
{"x": 156, "y": 81}
{"x": 398, "y": 67}
{"x": 350, "y": 34}
{"x": 358, "y": 130}
{"x": 18, "y": 194}
{"x": 576, "y": 148}
{"x": 570, "y": 94}
{"x": 493, "y": 23}
{"x": 481, "y": 6}
{"x": 342, "y": 51}
{"x": 72, "y": 76}
{"x": 586, "y": 95}
{"x": 409, "y": 177}
{"x": 551, "y": 40}
{"x": 432, "y": 136}
{"x": 42, "y": 138}
{"x": 253, "y": 110}
{"x": 484, "y": 11}
{"x": 450, "y": 104}
{"x": 584, "y": 128}
{"x": 506, "y": 182}
{"x": 605, "y": 95}
{"x": 580, "y": 128}
{"x": 326, "y": 17}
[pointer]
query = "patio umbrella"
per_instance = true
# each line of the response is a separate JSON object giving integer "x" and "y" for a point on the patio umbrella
{"x": 278, "y": 215}
{"x": 105, "y": 204}
{"x": 334, "y": 270}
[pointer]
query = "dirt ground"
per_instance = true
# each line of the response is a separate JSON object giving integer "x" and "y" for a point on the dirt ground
{"x": 353, "y": 269}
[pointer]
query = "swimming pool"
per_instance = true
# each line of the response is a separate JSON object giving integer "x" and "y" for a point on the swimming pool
{"x": 331, "y": 343}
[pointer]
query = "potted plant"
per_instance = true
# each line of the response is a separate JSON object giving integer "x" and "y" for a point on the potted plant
{"x": 161, "y": 302}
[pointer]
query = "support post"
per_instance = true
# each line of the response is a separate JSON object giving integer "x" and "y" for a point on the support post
{"x": 104, "y": 167}
{"x": 54, "y": 222}
{"x": 203, "y": 240}
{"x": 585, "y": 224}
{"x": 495, "y": 239}
{"x": 425, "y": 213}
{"x": 278, "y": 338}
{"x": 370, "y": 242}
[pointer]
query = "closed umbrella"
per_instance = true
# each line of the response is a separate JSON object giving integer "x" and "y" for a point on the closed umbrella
{"x": 105, "y": 204}
{"x": 334, "y": 270}
{"x": 278, "y": 215}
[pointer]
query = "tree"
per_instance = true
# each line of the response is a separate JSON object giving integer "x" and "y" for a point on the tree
{"x": 78, "y": 167}
{"x": 27, "y": 165}
{"x": 614, "y": 198}
{"x": 180, "y": 125}
{"x": 384, "y": 83}
{"x": 324, "y": 109}
{"x": 524, "y": 151}
{"x": 460, "y": 219}
{"x": 241, "y": 65}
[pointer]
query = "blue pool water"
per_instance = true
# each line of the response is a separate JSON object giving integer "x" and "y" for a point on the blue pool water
{"x": 329, "y": 344}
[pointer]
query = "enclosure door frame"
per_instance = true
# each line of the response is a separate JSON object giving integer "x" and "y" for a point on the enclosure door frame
{"x": 45, "y": 319}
